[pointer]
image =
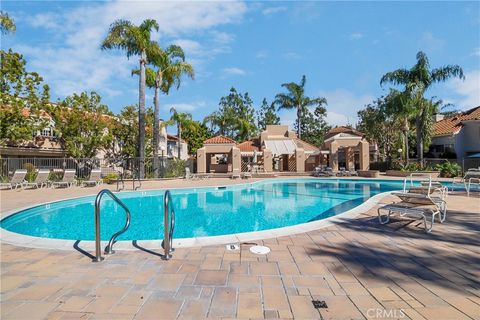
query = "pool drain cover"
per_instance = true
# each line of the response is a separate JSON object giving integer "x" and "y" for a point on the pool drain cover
{"x": 259, "y": 249}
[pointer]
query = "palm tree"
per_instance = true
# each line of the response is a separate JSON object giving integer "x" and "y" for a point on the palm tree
{"x": 400, "y": 106}
{"x": 218, "y": 120}
{"x": 296, "y": 99}
{"x": 170, "y": 67}
{"x": 7, "y": 24}
{"x": 183, "y": 120}
{"x": 135, "y": 40}
{"x": 416, "y": 81}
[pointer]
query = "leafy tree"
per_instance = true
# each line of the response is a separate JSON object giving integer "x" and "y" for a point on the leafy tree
{"x": 82, "y": 122}
{"x": 183, "y": 120}
{"x": 126, "y": 134}
{"x": 194, "y": 134}
{"x": 7, "y": 24}
{"x": 135, "y": 40}
{"x": 314, "y": 126}
{"x": 267, "y": 115}
{"x": 235, "y": 117}
{"x": 380, "y": 127}
{"x": 23, "y": 97}
{"x": 295, "y": 98}
{"x": 416, "y": 81}
{"x": 170, "y": 67}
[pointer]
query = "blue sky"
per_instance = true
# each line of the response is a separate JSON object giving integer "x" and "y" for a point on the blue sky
{"x": 342, "y": 47}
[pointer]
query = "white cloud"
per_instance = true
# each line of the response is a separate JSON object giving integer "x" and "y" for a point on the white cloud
{"x": 190, "y": 47}
{"x": 467, "y": 90}
{"x": 343, "y": 106}
{"x": 235, "y": 71}
{"x": 272, "y": 10}
{"x": 186, "y": 107}
{"x": 262, "y": 54}
{"x": 72, "y": 61}
{"x": 292, "y": 55}
{"x": 429, "y": 42}
{"x": 356, "y": 36}
{"x": 476, "y": 52}
{"x": 222, "y": 37}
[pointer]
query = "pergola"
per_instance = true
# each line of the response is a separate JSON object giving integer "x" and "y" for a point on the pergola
{"x": 218, "y": 155}
{"x": 350, "y": 142}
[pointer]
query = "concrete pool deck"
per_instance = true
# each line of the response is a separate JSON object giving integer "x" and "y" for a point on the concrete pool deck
{"x": 359, "y": 268}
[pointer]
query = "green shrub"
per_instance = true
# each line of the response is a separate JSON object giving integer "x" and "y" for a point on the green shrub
{"x": 31, "y": 172}
{"x": 448, "y": 169}
{"x": 110, "y": 178}
{"x": 175, "y": 169}
{"x": 55, "y": 176}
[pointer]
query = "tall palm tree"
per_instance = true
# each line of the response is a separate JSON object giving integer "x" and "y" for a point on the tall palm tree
{"x": 7, "y": 24}
{"x": 417, "y": 80}
{"x": 400, "y": 106}
{"x": 135, "y": 40}
{"x": 183, "y": 120}
{"x": 295, "y": 99}
{"x": 170, "y": 67}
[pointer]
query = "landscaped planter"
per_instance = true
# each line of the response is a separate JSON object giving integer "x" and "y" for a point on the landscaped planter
{"x": 398, "y": 173}
{"x": 368, "y": 173}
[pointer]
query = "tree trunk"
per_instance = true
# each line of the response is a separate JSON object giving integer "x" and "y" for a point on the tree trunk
{"x": 179, "y": 136}
{"x": 407, "y": 146}
{"x": 156, "y": 130}
{"x": 141, "y": 116}
{"x": 419, "y": 134}
{"x": 299, "y": 122}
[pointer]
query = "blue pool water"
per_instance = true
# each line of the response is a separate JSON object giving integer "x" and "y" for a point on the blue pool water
{"x": 201, "y": 212}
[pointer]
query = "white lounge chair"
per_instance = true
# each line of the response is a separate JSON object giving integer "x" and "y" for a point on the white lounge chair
{"x": 189, "y": 175}
{"x": 471, "y": 178}
{"x": 418, "y": 205}
{"x": 235, "y": 174}
{"x": 68, "y": 179}
{"x": 17, "y": 180}
{"x": 40, "y": 180}
{"x": 94, "y": 179}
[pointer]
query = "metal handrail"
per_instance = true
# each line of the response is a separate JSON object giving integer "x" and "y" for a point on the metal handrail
{"x": 167, "y": 243}
{"x": 109, "y": 247}
{"x": 138, "y": 178}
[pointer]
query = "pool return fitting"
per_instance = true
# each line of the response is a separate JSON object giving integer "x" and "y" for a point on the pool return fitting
{"x": 168, "y": 220}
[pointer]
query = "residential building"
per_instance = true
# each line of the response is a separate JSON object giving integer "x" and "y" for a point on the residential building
{"x": 457, "y": 136}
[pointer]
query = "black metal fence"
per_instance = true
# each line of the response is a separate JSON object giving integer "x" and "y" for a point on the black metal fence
{"x": 428, "y": 163}
{"x": 167, "y": 167}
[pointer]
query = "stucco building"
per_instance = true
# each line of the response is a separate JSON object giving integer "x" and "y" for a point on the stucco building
{"x": 459, "y": 135}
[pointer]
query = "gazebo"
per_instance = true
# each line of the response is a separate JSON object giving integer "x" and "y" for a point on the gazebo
{"x": 218, "y": 155}
{"x": 346, "y": 147}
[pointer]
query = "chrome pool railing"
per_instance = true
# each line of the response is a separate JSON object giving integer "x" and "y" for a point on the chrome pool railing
{"x": 168, "y": 225}
{"x": 109, "y": 247}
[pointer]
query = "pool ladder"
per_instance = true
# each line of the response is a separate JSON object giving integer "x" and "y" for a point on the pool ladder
{"x": 168, "y": 225}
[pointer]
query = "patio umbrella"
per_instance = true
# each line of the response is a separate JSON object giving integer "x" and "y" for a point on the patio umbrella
{"x": 475, "y": 155}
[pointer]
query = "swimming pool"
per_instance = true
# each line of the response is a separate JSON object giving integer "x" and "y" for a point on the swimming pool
{"x": 200, "y": 212}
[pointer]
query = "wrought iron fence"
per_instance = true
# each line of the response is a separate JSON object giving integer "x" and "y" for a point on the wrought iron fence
{"x": 167, "y": 167}
{"x": 428, "y": 163}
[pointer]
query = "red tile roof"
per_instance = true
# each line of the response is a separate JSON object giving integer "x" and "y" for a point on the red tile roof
{"x": 453, "y": 124}
{"x": 171, "y": 137}
{"x": 249, "y": 145}
{"x": 338, "y": 130}
{"x": 219, "y": 140}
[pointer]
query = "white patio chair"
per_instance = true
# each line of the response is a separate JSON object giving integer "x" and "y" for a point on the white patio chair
{"x": 418, "y": 205}
{"x": 68, "y": 179}
{"x": 189, "y": 175}
{"x": 94, "y": 179}
{"x": 235, "y": 174}
{"x": 40, "y": 180}
{"x": 471, "y": 178}
{"x": 17, "y": 180}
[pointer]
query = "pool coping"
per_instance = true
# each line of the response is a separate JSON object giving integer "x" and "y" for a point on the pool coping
{"x": 17, "y": 239}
